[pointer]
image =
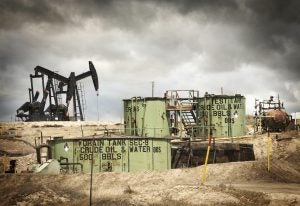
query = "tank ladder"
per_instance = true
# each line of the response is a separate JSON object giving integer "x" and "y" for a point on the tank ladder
{"x": 181, "y": 106}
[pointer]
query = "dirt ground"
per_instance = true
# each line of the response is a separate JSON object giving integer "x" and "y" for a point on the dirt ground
{"x": 235, "y": 183}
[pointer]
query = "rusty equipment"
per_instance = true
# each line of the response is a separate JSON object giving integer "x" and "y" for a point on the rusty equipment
{"x": 270, "y": 115}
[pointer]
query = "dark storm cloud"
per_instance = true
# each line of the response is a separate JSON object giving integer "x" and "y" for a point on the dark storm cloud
{"x": 114, "y": 13}
{"x": 277, "y": 29}
{"x": 15, "y": 13}
{"x": 275, "y": 10}
{"x": 217, "y": 8}
{"x": 272, "y": 28}
{"x": 140, "y": 41}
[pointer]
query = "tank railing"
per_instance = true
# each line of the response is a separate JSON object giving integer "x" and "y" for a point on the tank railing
{"x": 194, "y": 131}
{"x": 174, "y": 97}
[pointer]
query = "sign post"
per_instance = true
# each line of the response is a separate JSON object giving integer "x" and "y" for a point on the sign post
{"x": 206, "y": 159}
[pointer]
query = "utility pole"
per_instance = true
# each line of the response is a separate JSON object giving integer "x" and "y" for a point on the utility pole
{"x": 92, "y": 168}
{"x": 152, "y": 88}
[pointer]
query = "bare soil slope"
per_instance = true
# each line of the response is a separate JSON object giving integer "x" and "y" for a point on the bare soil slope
{"x": 237, "y": 183}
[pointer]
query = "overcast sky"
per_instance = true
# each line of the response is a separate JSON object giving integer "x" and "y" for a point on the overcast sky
{"x": 247, "y": 47}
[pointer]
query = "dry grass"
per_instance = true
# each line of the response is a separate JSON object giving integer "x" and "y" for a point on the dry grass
{"x": 128, "y": 190}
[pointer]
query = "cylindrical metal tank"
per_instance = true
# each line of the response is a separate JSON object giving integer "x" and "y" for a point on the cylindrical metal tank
{"x": 146, "y": 117}
{"x": 223, "y": 115}
{"x": 276, "y": 120}
{"x": 116, "y": 154}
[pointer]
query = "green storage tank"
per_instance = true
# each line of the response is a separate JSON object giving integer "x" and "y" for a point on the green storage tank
{"x": 117, "y": 154}
{"x": 224, "y": 115}
{"x": 146, "y": 117}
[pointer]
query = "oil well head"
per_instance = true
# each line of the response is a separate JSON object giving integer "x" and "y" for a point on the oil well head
{"x": 55, "y": 87}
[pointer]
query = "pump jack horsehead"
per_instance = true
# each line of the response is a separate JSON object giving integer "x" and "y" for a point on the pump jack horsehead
{"x": 34, "y": 110}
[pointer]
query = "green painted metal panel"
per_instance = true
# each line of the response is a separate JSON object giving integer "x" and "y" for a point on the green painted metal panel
{"x": 224, "y": 115}
{"x": 159, "y": 162}
{"x": 146, "y": 117}
{"x": 124, "y": 154}
{"x": 140, "y": 155}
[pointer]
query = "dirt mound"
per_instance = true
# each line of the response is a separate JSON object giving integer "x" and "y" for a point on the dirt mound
{"x": 14, "y": 147}
{"x": 235, "y": 183}
{"x": 285, "y": 162}
{"x": 233, "y": 186}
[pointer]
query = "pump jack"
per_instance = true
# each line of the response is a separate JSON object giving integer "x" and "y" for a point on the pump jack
{"x": 34, "y": 110}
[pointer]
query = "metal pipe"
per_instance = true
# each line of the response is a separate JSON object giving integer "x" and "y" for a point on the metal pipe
{"x": 31, "y": 82}
{"x": 29, "y": 91}
{"x": 43, "y": 83}
{"x": 73, "y": 163}
{"x": 81, "y": 130}
{"x": 92, "y": 165}
{"x": 152, "y": 88}
{"x": 268, "y": 149}
{"x": 214, "y": 148}
{"x": 74, "y": 105}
